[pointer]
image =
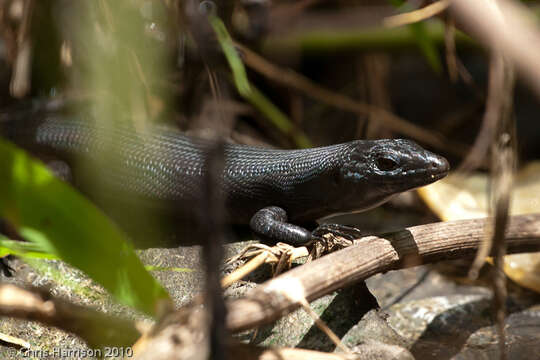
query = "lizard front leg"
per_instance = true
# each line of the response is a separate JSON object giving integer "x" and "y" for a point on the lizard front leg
{"x": 270, "y": 224}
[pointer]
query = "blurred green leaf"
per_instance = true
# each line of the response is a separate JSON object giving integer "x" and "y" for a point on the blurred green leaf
{"x": 23, "y": 249}
{"x": 249, "y": 92}
{"x": 168, "y": 268}
{"x": 237, "y": 66}
{"x": 30, "y": 250}
{"x": 427, "y": 45}
{"x": 61, "y": 222}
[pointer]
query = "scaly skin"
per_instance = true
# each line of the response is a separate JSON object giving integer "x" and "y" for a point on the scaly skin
{"x": 163, "y": 168}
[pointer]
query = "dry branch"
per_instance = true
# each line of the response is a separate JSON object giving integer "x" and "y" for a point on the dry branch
{"x": 96, "y": 328}
{"x": 371, "y": 255}
{"x": 505, "y": 26}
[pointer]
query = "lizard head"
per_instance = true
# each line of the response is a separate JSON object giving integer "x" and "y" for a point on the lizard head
{"x": 375, "y": 170}
{"x": 399, "y": 162}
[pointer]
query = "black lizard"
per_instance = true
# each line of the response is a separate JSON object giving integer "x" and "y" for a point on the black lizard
{"x": 272, "y": 190}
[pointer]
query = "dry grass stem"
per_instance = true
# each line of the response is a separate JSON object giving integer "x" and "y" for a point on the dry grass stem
{"x": 417, "y": 15}
{"x": 296, "y": 81}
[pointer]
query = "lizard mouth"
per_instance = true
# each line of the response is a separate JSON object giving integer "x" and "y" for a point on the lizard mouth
{"x": 438, "y": 176}
{"x": 437, "y": 169}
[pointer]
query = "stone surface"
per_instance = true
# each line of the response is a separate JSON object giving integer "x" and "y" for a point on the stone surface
{"x": 423, "y": 314}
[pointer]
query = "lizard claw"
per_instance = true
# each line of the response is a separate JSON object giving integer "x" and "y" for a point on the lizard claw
{"x": 344, "y": 231}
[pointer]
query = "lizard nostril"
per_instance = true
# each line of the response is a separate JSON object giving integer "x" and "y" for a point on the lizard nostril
{"x": 439, "y": 164}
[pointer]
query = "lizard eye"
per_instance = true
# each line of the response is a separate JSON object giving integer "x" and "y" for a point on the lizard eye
{"x": 386, "y": 164}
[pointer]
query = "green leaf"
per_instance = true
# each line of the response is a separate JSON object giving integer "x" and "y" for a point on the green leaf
{"x": 237, "y": 66}
{"x": 168, "y": 268}
{"x": 249, "y": 92}
{"x": 427, "y": 45}
{"x": 61, "y": 222}
{"x": 23, "y": 249}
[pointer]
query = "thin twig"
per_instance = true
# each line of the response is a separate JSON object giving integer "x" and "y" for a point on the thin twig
{"x": 503, "y": 170}
{"x": 246, "y": 269}
{"x": 417, "y": 15}
{"x": 497, "y": 111}
{"x": 22, "y": 67}
{"x": 213, "y": 234}
{"x": 13, "y": 341}
{"x": 450, "y": 46}
{"x": 281, "y": 255}
{"x": 496, "y": 124}
{"x": 322, "y": 326}
{"x": 296, "y": 81}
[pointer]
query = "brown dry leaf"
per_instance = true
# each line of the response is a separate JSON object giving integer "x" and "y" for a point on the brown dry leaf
{"x": 458, "y": 197}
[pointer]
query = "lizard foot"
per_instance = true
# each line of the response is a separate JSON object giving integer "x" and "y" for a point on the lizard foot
{"x": 344, "y": 231}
